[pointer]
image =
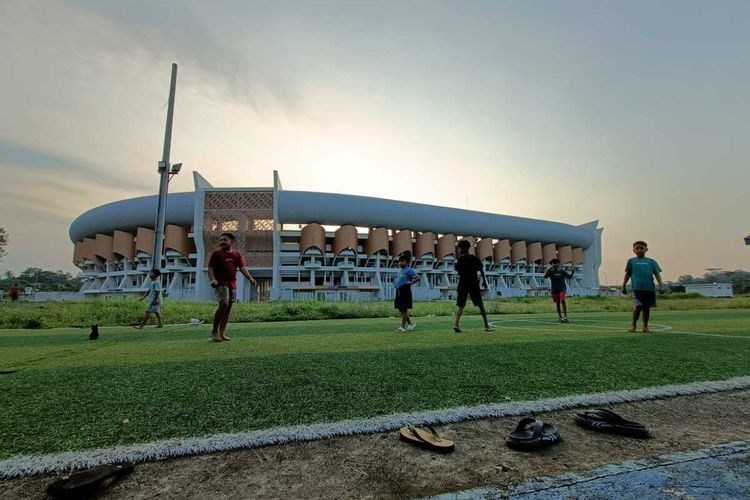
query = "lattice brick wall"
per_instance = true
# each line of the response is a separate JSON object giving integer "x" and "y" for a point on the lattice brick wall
{"x": 247, "y": 214}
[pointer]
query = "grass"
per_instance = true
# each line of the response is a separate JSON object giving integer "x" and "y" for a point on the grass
{"x": 71, "y": 394}
{"x": 114, "y": 312}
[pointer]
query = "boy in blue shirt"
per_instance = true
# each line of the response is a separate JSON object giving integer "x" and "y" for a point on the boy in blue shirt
{"x": 154, "y": 299}
{"x": 403, "y": 301}
{"x": 642, "y": 270}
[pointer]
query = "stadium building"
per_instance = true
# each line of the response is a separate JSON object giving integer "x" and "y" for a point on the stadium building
{"x": 320, "y": 246}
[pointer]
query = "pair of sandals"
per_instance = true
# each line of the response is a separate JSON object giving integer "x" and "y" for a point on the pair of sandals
{"x": 532, "y": 434}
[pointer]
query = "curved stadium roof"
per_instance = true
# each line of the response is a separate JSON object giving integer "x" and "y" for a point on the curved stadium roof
{"x": 301, "y": 207}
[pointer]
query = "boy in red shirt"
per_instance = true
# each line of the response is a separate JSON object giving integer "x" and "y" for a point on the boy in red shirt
{"x": 223, "y": 265}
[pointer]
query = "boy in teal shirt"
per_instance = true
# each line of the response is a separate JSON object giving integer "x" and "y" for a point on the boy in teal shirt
{"x": 642, "y": 271}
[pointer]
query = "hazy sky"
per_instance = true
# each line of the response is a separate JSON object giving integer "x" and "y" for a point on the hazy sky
{"x": 633, "y": 113}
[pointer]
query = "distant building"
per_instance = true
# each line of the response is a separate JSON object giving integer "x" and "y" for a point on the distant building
{"x": 320, "y": 246}
{"x": 711, "y": 289}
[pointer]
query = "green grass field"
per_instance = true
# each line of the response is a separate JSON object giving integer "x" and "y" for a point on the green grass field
{"x": 70, "y": 393}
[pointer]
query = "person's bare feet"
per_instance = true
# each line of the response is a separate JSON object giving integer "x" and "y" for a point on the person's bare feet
{"x": 215, "y": 337}
{"x": 224, "y": 337}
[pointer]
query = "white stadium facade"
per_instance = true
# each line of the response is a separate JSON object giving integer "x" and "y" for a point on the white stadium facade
{"x": 320, "y": 246}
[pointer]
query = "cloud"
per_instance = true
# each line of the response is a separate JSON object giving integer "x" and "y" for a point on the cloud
{"x": 35, "y": 162}
{"x": 229, "y": 45}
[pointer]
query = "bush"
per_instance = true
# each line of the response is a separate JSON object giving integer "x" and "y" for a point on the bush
{"x": 127, "y": 311}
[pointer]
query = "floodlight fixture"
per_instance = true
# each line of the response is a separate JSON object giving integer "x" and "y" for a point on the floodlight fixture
{"x": 162, "y": 167}
{"x": 175, "y": 169}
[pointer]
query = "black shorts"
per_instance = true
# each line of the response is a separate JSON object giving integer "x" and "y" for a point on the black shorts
{"x": 474, "y": 292}
{"x": 644, "y": 298}
{"x": 403, "y": 300}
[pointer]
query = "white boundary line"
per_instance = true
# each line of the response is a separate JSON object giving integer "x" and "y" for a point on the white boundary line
{"x": 28, "y": 465}
{"x": 661, "y": 328}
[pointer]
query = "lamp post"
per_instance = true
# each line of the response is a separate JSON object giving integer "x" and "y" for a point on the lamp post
{"x": 36, "y": 285}
{"x": 166, "y": 172}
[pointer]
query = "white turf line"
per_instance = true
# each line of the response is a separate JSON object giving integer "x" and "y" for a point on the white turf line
{"x": 28, "y": 465}
{"x": 661, "y": 328}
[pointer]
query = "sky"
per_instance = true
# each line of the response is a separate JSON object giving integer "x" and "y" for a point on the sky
{"x": 633, "y": 113}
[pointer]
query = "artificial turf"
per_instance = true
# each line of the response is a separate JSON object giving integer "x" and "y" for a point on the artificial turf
{"x": 69, "y": 393}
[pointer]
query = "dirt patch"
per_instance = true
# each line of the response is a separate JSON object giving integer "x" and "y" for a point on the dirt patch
{"x": 381, "y": 466}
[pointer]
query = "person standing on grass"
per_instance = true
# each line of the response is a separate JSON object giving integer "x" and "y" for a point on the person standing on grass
{"x": 14, "y": 291}
{"x": 154, "y": 300}
{"x": 467, "y": 266}
{"x": 642, "y": 270}
{"x": 557, "y": 277}
{"x": 403, "y": 301}
{"x": 223, "y": 265}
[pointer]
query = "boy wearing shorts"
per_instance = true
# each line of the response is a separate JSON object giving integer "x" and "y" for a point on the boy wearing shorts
{"x": 467, "y": 266}
{"x": 403, "y": 301}
{"x": 557, "y": 277}
{"x": 154, "y": 300}
{"x": 642, "y": 270}
{"x": 223, "y": 265}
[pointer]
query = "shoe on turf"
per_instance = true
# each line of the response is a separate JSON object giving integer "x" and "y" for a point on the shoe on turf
{"x": 566, "y": 320}
{"x": 88, "y": 483}
{"x": 400, "y": 329}
{"x": 411, "y": 327}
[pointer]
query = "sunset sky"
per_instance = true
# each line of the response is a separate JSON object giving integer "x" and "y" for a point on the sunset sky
{"x": 632, "y": 112}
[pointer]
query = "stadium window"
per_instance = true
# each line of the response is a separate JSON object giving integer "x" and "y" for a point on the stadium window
{"x": 230, "y": 225}
{"x": 262, "y": 224}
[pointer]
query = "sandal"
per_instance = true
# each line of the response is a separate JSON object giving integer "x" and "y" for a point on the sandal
{"x": 603, "y": 420}
{"x": 426, "y": 437}
{"x": 532, "y": 434}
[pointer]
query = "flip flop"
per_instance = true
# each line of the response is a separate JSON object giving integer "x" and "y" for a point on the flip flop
{"x": 86, "y": 483}
{"x": 532, "y": 434}
{"x": 426, "y": 437}
{"x": 603, "y": 420}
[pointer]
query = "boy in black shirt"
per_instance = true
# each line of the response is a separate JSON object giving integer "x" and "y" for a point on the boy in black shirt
{"x": 557, "y": 277}
{"x": 467, "y": 266}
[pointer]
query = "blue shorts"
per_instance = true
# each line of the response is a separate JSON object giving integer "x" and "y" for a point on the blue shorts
{"x": 154, "y": 308}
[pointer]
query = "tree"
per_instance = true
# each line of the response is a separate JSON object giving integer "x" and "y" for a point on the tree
{"x": 3, "y": 242}
{"x": 46, "y": 281}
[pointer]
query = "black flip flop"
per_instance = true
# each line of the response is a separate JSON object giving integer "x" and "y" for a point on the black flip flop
{"x": 603, "y": 420}
{"x": 88, "y": 482}
{"x": 532, "y": 434}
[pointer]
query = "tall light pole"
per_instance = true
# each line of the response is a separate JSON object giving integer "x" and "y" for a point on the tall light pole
{"x": 39, "y": 270}
{"x": 165, "y": 169}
